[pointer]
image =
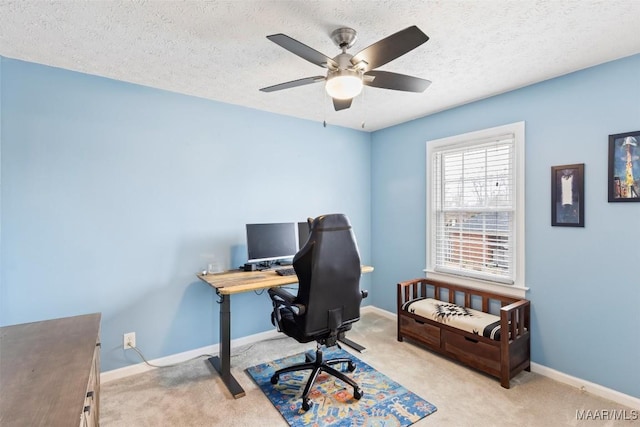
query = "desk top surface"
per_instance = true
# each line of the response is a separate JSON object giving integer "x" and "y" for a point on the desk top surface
{"x": 44, "y": 370}
{"x": 236, "y": 281}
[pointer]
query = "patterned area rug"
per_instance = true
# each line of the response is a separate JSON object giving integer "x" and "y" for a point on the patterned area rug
{"x": 384, "y": 402}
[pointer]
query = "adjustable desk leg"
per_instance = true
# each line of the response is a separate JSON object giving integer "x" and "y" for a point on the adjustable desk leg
{"x": 222, "y": 362}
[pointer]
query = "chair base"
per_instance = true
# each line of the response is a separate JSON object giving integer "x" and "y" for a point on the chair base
{"x": 317, "y": 366}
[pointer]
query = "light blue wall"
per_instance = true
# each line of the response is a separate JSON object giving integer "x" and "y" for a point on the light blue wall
{"x": 585, "y": 282}
{"x": 114, "y": 195}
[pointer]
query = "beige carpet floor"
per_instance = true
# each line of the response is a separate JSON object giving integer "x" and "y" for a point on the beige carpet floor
{"x": 192, "y": 394}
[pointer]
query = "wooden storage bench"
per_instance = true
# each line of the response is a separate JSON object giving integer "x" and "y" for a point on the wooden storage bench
{"x": 440, "y": 316}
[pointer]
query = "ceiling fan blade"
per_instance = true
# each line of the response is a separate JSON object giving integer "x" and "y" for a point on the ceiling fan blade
{"x": 390, "y": 48}
{"x": 302, "y": 50}
{"x": 341, "y": 104}
{"x": 293, "y": 83}
{"x": 395, "y": 81}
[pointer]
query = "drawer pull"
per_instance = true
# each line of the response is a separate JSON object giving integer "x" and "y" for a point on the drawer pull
{"x": 90, "y": 394}
{"x": 471, "y": 340}
{"x": 87, "y": 409}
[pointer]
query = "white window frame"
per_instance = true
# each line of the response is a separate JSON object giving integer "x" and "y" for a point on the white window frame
{"x": 518, "y": 288}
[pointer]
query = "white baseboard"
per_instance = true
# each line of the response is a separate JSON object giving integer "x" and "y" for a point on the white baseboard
{"x": 589, "y": 387}
{"x": 380, "y": 311}
{"x": 139, "y": 368}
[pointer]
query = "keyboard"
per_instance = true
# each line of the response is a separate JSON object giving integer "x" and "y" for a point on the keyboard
{"x": 288, "y": 271}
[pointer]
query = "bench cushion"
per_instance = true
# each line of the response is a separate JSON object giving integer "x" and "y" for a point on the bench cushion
{"x": 467, "y": 319}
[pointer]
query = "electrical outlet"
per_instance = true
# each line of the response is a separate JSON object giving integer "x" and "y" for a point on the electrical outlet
{"x": 129, "y": 340}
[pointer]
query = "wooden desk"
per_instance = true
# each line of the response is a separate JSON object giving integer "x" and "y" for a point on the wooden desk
{"x": 50, "y": 372}
{"x": 234, "y": 282}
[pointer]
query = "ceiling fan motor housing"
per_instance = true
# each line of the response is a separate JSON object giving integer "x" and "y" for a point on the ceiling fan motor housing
{"x": 344, "y": 62}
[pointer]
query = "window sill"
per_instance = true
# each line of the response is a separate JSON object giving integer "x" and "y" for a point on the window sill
{"x": 500, "y": 288}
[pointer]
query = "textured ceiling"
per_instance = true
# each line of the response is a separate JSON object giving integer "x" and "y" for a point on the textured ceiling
{"x": 218, "y": 49}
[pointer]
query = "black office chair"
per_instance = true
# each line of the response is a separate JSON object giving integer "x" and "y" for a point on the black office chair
{"x": 328, "y": 299}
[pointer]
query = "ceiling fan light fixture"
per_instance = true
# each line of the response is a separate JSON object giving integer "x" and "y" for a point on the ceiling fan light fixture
{"x": 344, "y": 84}
{"x": 346, "y": 73}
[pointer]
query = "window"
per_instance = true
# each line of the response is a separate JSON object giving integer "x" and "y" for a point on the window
{"x": 475, "y": 208}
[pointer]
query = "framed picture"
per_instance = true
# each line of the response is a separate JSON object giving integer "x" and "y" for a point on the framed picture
{"x": 624, "y": 167}
{"x": 567, "y": 195}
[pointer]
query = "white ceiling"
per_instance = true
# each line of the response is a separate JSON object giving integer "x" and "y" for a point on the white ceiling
{"x": 219, "y": 50}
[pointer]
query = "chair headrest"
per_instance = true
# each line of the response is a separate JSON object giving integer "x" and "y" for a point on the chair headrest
{"x": 331, "y": 222}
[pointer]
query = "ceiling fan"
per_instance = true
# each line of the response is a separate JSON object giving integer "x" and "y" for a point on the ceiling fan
{"x": 347, "y": 73}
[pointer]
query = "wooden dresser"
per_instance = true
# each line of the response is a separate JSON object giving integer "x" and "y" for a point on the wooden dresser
{"x": 50, "y": 372}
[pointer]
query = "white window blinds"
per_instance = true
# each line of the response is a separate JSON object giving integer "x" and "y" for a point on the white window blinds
{"x": 473, "y": 207}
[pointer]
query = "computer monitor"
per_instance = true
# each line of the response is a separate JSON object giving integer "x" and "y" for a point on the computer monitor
{"x": 271, "y": 242}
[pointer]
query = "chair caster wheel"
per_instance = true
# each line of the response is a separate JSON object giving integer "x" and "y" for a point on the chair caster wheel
{"x": 306, "y": 404}
{"x": 274, "y": 379}
{"x": 357, "y": 393}
{"x": 351, "y": 367}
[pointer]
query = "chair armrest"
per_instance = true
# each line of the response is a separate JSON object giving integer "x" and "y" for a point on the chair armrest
{"x": 282, "y": 294}
{"x": 283, "y": 297}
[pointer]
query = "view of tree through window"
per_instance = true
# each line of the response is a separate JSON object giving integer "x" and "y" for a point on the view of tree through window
{"x": 473, "y": 209}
